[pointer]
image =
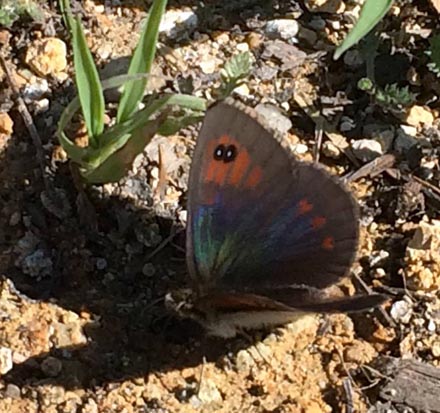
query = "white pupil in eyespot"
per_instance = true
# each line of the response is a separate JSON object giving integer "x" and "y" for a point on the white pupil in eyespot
{"x": 229, "y": 153}
{"x": 219, "y": 152}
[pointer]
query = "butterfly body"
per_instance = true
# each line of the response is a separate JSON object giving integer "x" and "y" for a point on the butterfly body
{"x": 266, "y": 233}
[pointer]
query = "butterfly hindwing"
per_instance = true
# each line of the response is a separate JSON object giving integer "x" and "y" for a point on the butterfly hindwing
{"x": 257, "y": 217}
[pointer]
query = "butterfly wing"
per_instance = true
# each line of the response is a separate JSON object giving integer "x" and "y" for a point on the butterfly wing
{"x": 257, "y": 218}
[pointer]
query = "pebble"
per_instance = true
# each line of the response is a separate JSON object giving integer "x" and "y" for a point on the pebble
{"x": 35, "y": 90}
{"x": 209, "y": 64}
{"x": 347, "y": 124}
{"x": 149, "y": 236}
{"x": 353, "y": 58}
{"x": 51, "y": 367}
{"x": 101, "y": 264}
{"x": 13, "y": 391}
{"x": 208, "y": 392}
{"x": 403, "y": 141}
{"x": 401, "y": 311}
{"x": 366, "y": 149}
{"x": 330, "y": 150}
{"x": 47, "y": 56}
{"x": 436, "y": 348}
{"x": 244, "y": 361}
{"x": 6, "y": 124}
{"x": 176, "y": 23}
{"x": 37, "y": 264}
{"x": 285, "y": 29}
{"x": 376, "y": 257}
{"x": 300, "y": 148}
{"x": 148, "y": 269}
{"x": 325, "y": 6}
{"x": 6, "y": 363}
{"x": 274, "y": 118}
{"x": 419, "y": 115}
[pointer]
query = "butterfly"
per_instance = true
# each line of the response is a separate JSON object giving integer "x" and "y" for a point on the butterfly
{"x": 266, "y": 233}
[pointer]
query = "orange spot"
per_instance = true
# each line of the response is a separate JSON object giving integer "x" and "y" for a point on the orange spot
{"x": 328, "y": 243}
{"x": 318, "y": 222}
{"x": 222, "y": 171}
{"x": 239, "y": 166}
{"x": 254, "y": 177}
{"x": 304, "y": 206}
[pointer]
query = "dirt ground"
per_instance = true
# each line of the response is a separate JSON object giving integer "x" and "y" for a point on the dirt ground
{"x": 83, "y": 328}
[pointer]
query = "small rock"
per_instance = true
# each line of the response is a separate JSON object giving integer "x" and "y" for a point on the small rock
{"x": 35, "y": 90}
{"x": 254, "y": 40}
{"x": 47, "y": 56}
{"x": 419, "y": 115}
{"x": 307, "y": 35}
{"x": 242, "y": 90}
{"x": 325, "y": 6}
{"x": 285, "y": 29}
{"x": 431, "y": 326}
{"x": 37, "y": 264}
{"x": 13, "y": 391}
{"x": 101, "y": 264}
{"x": 176, "y": 23}
{"x": 377, "y": 257}
{"x": 401, "y": 311}
{"x": 403, "y": 141}
{"x": 51, "y": 366}
{"x": 148, "y": 269}
{"x": 347, "y": 124}
{"x": 422, "y": 258}
{"x": 242, "y": 47}
{"x": 148, "y": 236}
{"x": 244, "y": 361}
{"x": 409, "y": 130}
{"x": 209, "y": 393}
{"x": 353, "y": 58}
{"x": 6, "y": 124}
{"x": 360, "y": 352}
{"x": 366, "y": 149}
{"x": 436, "y": 348}
{"x": 274, "y": 118}
{"x": 209, "y": 64}
{"x": 300, "y": 148}
{"x": 330, "y": 150}
{"x": 6, "y": 363}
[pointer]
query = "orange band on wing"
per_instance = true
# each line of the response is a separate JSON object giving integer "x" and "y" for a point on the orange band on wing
{"x": 254, "y": 177}
{"x": 239, "y": 167}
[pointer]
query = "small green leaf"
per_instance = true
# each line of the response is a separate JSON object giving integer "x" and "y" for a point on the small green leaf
{"x": 233, "y": 74}
{"x": 371, "y": 13}
{"x": 434, "y": 53}
{"x": 141, "y": 61}
{"x": 238, "y": 67}
{"x": 365, "y": 84}
{"x": 88, "y": 84}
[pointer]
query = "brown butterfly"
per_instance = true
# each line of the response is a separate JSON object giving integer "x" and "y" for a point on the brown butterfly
{"x": 266, "y": 233}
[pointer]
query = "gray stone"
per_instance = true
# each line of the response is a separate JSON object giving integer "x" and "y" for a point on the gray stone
{"x": 274, "y": 118}
{"x": 366, "y": 149}
{"x": 285, "y": 29}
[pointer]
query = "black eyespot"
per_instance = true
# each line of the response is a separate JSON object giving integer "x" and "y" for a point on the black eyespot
{"x": 230, "y": 153}
{"x": 219, "y": 152}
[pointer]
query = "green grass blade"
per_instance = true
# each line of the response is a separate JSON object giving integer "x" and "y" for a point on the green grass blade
{"x": 141, "y": 61}
{"x": 88, "y": 84}
{"x": 371, "y": 13}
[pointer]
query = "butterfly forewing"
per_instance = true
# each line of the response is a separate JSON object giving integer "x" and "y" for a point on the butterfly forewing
{"x": 258, "y": 217}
